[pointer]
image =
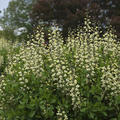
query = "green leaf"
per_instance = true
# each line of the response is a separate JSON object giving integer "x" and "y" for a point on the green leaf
{"x": 31, "y": 114}
{"x": 92, "y": 115}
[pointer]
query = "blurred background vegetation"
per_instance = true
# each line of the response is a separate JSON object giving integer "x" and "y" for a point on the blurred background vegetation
{"x": 22, "y": 16}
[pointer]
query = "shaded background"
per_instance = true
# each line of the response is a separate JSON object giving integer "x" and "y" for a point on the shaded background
{"x": 20, "y": 17}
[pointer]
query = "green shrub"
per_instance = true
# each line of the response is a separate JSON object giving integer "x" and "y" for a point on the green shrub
{"x": 79, "y": 80}
{"x": 4, "y": 48}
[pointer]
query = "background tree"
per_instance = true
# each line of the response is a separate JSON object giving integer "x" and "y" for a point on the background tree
{"x": 66, "y": 13}
{"x": 70, "y": 13}
{"x": 107, "y": 12}
{"x": 17, "y": 16}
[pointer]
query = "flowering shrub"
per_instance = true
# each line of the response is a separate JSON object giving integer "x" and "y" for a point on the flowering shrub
{"x": 79, "y": 80}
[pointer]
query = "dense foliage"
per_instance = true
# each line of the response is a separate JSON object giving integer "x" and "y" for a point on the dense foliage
{"x": 79, "y": 80}
{"x": 4, "y": 48}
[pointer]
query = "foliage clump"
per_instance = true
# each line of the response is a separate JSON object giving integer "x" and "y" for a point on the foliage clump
{"x": 79, "y": 80}
{"x": 4, "y": 48}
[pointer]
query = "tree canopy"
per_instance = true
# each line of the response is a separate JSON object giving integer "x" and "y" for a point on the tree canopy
{"x": 17, "y": 15}
{"x": 70, "y": 13}
{"x": 65, "y": 13}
